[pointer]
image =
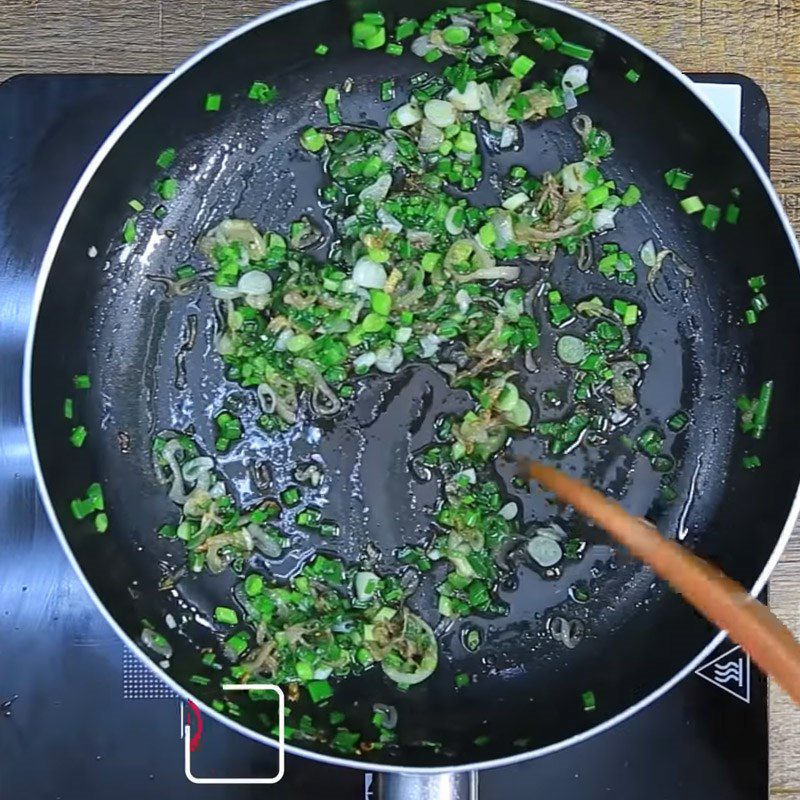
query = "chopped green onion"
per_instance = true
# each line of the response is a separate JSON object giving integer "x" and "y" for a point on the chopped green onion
{"x": 432, "y": 55}
{"x": 69, "y": 409}
{"x": 166, "y": 158}
{"x": 589, "y": 703}
{"x": 253, "y": 585}
{"x": 367, "y": 35}
{"x": 321, "y": 49}
{"x": 691, "y": 205}
{"x": 751, "y": 462}
{"x": 757, "y": 282}
{"x": 462, "y": 679}
{"x": 225, "y": 615}
{"x": 129, "y": 231}
{"x": 632, "y": 75}
{"x": 81, "y": 508}
{"x": 136, "y": 205}
{"x": 312, "y": 140}
{"x": 455, "y": 34}
{"x": 762, "y": 409}
{"x": 596, "y": 197}
{"x": 405, "y": 29}
{"x": 677, "y": 178}
{"x": 575, "y": 51}
{"x": 213, "y": 102}
{"x": 319, "y": 690}
{"x": 78, "y": 436}
{"x": 711, "y": 216}
{"x": 631, "y": 315}
{"x": 750, "y": 316}
{"x": 732, "y": 214}
{"x": 631, "y": 195}
{"x": 237, "y": 643}
{"x": 678, "y": 421}
{"x": 262, "y": 92}
{"x": 290, "y": 496}
{"x": 521, "y": 66}
{"x": 394, "y": 49}
{"x": 387, "y": 90}
{"x": 101, "y": 523}
{"x": 94, "y": 494}
{"x": 168, "y": 188}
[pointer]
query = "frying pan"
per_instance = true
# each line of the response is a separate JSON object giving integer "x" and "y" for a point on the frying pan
{"x": 103, "y": 316}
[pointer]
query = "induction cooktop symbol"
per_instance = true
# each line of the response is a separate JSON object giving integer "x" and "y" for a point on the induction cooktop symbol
{"x": 729, "y": 672}
{"x": 192, "y": 742}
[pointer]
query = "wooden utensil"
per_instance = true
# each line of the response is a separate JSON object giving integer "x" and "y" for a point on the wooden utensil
{"x": 718, "y": 598}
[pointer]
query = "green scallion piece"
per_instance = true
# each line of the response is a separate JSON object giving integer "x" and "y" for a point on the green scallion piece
{"x": 94, "y": 494}
{"x": 213, "y": 102}
{"x": 129, "y": 231}
{"x": 711, "y": 216}
{"x": 677, "y": 178}
{"x": 168, "y": 188}
{"x": 387, "y": 90}
{"x": 312, "y": 140}
{"x": 69, "y": 408}
{"x": 732, "y": 214}
{"x": 462, "y": 680}
{"x": 575, "y": 51}
{"x": 521, "y": 66}
{"x": 290, "y": 496}
{"x": 78, "y": 436}
{"x": 750, "y": 316}
{"x": 321, "y": 49}
{"x": 761, "y": 410}
{"x": 455, "y": 35}
{"x": 693, "y": 204}
{"x": 596, "y": 197}
{"x": 751, "y": 462}
{"x": 81, "y": 381}
{"x": 432, "y": 55}
{"x": 394, "y": 49}
{"x": 678, "y": 421}
{"x": 81, "y": 508}
{"x": 136, "y": 205}
{"x": 589, "y": 702}
{"x": 225, "y": 615}
{"x": 166, "y": 158}
{"x": 632, "y": 75}
{"x": 319, "y": 690}
{"x": 631, "y": 196}
{"x": 405, "y": 29}
{"x": 367, "y": 35}
{"x": 756, "y": 282}
{"x": 262, "y": 92}
{"x": 253, "y": 585}
{"x": 101, "y": 523}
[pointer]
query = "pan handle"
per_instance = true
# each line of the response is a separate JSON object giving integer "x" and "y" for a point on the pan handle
{"x": 427, "y": 786}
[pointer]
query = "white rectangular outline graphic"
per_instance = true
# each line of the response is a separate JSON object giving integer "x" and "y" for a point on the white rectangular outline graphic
{"x": 240, "y": 687}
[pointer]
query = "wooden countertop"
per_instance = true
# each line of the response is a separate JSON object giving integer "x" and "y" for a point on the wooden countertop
{"x": 760, "y": 39}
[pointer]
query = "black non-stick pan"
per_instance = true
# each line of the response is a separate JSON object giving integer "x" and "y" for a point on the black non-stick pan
{"x": 102, "y": 316}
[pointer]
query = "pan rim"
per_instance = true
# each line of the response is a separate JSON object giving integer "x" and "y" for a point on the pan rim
{"x": 47, "y": 262}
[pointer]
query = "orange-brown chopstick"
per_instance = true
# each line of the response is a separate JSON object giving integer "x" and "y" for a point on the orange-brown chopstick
{"x": 721, "y": 600}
